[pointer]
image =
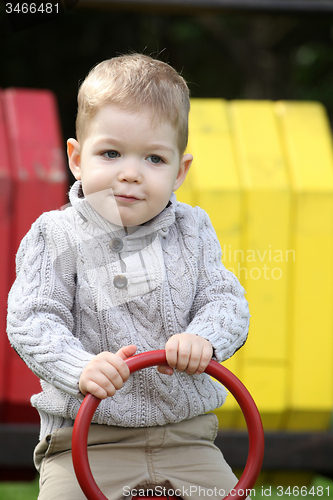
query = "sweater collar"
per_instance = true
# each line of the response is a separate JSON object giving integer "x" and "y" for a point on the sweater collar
{"x": 96, "y": 225}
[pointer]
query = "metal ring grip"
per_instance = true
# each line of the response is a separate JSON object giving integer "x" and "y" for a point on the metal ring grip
{"x": 214, "y": 369}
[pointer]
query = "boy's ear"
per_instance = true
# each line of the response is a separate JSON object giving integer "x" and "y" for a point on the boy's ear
{"x": 74, "y": 159}
{"x": 184, "y": 167}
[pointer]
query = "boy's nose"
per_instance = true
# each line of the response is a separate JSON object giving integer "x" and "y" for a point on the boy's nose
{"x": 130, "y": 172}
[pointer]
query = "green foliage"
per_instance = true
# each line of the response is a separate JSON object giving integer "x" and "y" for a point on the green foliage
{"x": 19, "y": 491}
{"x": 229, "y": 55}
{"x": 319, "y": 487}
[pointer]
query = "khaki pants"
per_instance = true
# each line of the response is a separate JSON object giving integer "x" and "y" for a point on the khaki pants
{"x": 175, "y": 459}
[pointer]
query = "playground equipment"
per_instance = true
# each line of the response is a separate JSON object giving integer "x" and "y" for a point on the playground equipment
{"x": 214, "y": 369}
{"x": 263, "y": 171}
{"x": 33, "y": 180}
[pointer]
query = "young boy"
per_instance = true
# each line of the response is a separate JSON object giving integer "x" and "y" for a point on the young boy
{"x": 127, "y": 269}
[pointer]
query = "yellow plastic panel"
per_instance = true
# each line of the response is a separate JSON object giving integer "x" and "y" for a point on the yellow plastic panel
{"x": 267, "y": 383}
{"x": 213, "y": 176}
{"x": 214, "y": 186}
{"x": 309, "y": 152}
{"x": 264, "y": 173}
{"x": 264, "y": 266}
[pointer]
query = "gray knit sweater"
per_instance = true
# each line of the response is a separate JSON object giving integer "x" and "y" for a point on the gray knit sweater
{"x": 85, "y": 286}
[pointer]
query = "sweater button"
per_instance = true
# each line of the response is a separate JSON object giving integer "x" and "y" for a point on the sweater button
{"x": 120, "y": 281}
{"x": 116, "y": 245}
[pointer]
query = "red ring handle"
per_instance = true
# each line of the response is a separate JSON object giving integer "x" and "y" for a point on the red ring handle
{"x": 220, "y": 373}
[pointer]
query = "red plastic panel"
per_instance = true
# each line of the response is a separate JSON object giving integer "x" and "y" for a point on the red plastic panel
{"x": 38, "y": 163}
{"x": 38, "y": 173}
{"x": 5, "y": 200}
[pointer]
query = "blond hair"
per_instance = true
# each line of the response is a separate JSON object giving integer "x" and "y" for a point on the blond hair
{"x": 135, "y": 82}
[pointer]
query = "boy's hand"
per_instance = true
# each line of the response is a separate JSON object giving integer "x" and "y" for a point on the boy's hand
{"x": 106, "y": 373}
{"x": 187, "y": 352}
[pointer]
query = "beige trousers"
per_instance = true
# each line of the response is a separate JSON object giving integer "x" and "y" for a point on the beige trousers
{"x": 176, "y": 459}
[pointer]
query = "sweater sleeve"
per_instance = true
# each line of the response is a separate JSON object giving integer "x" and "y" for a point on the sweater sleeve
{"x": 39, "y": 320}
{"x": 220, "y": 311}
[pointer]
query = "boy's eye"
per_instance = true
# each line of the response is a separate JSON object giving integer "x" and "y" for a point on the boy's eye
{"x": 111, "y": 154}
{"x": 155, "y": 159}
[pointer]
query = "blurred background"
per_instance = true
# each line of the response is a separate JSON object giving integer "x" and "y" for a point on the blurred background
{"x": 234, "y": 54}
{"x": 254, "y": 68}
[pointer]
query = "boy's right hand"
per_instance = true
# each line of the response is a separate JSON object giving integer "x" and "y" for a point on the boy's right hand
{"x": 106, "y": 373}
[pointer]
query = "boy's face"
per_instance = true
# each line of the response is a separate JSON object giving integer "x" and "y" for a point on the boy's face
{"x": 128, "y": 167}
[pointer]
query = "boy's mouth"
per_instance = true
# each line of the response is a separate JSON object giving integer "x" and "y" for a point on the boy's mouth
{"x": 126, "y": 198}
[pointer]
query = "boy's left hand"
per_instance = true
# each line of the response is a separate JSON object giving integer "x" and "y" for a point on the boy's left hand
{"x": 187, "y": 352}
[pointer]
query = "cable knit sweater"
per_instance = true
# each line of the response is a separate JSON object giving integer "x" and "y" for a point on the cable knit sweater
{"x": 85, "y": 286}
